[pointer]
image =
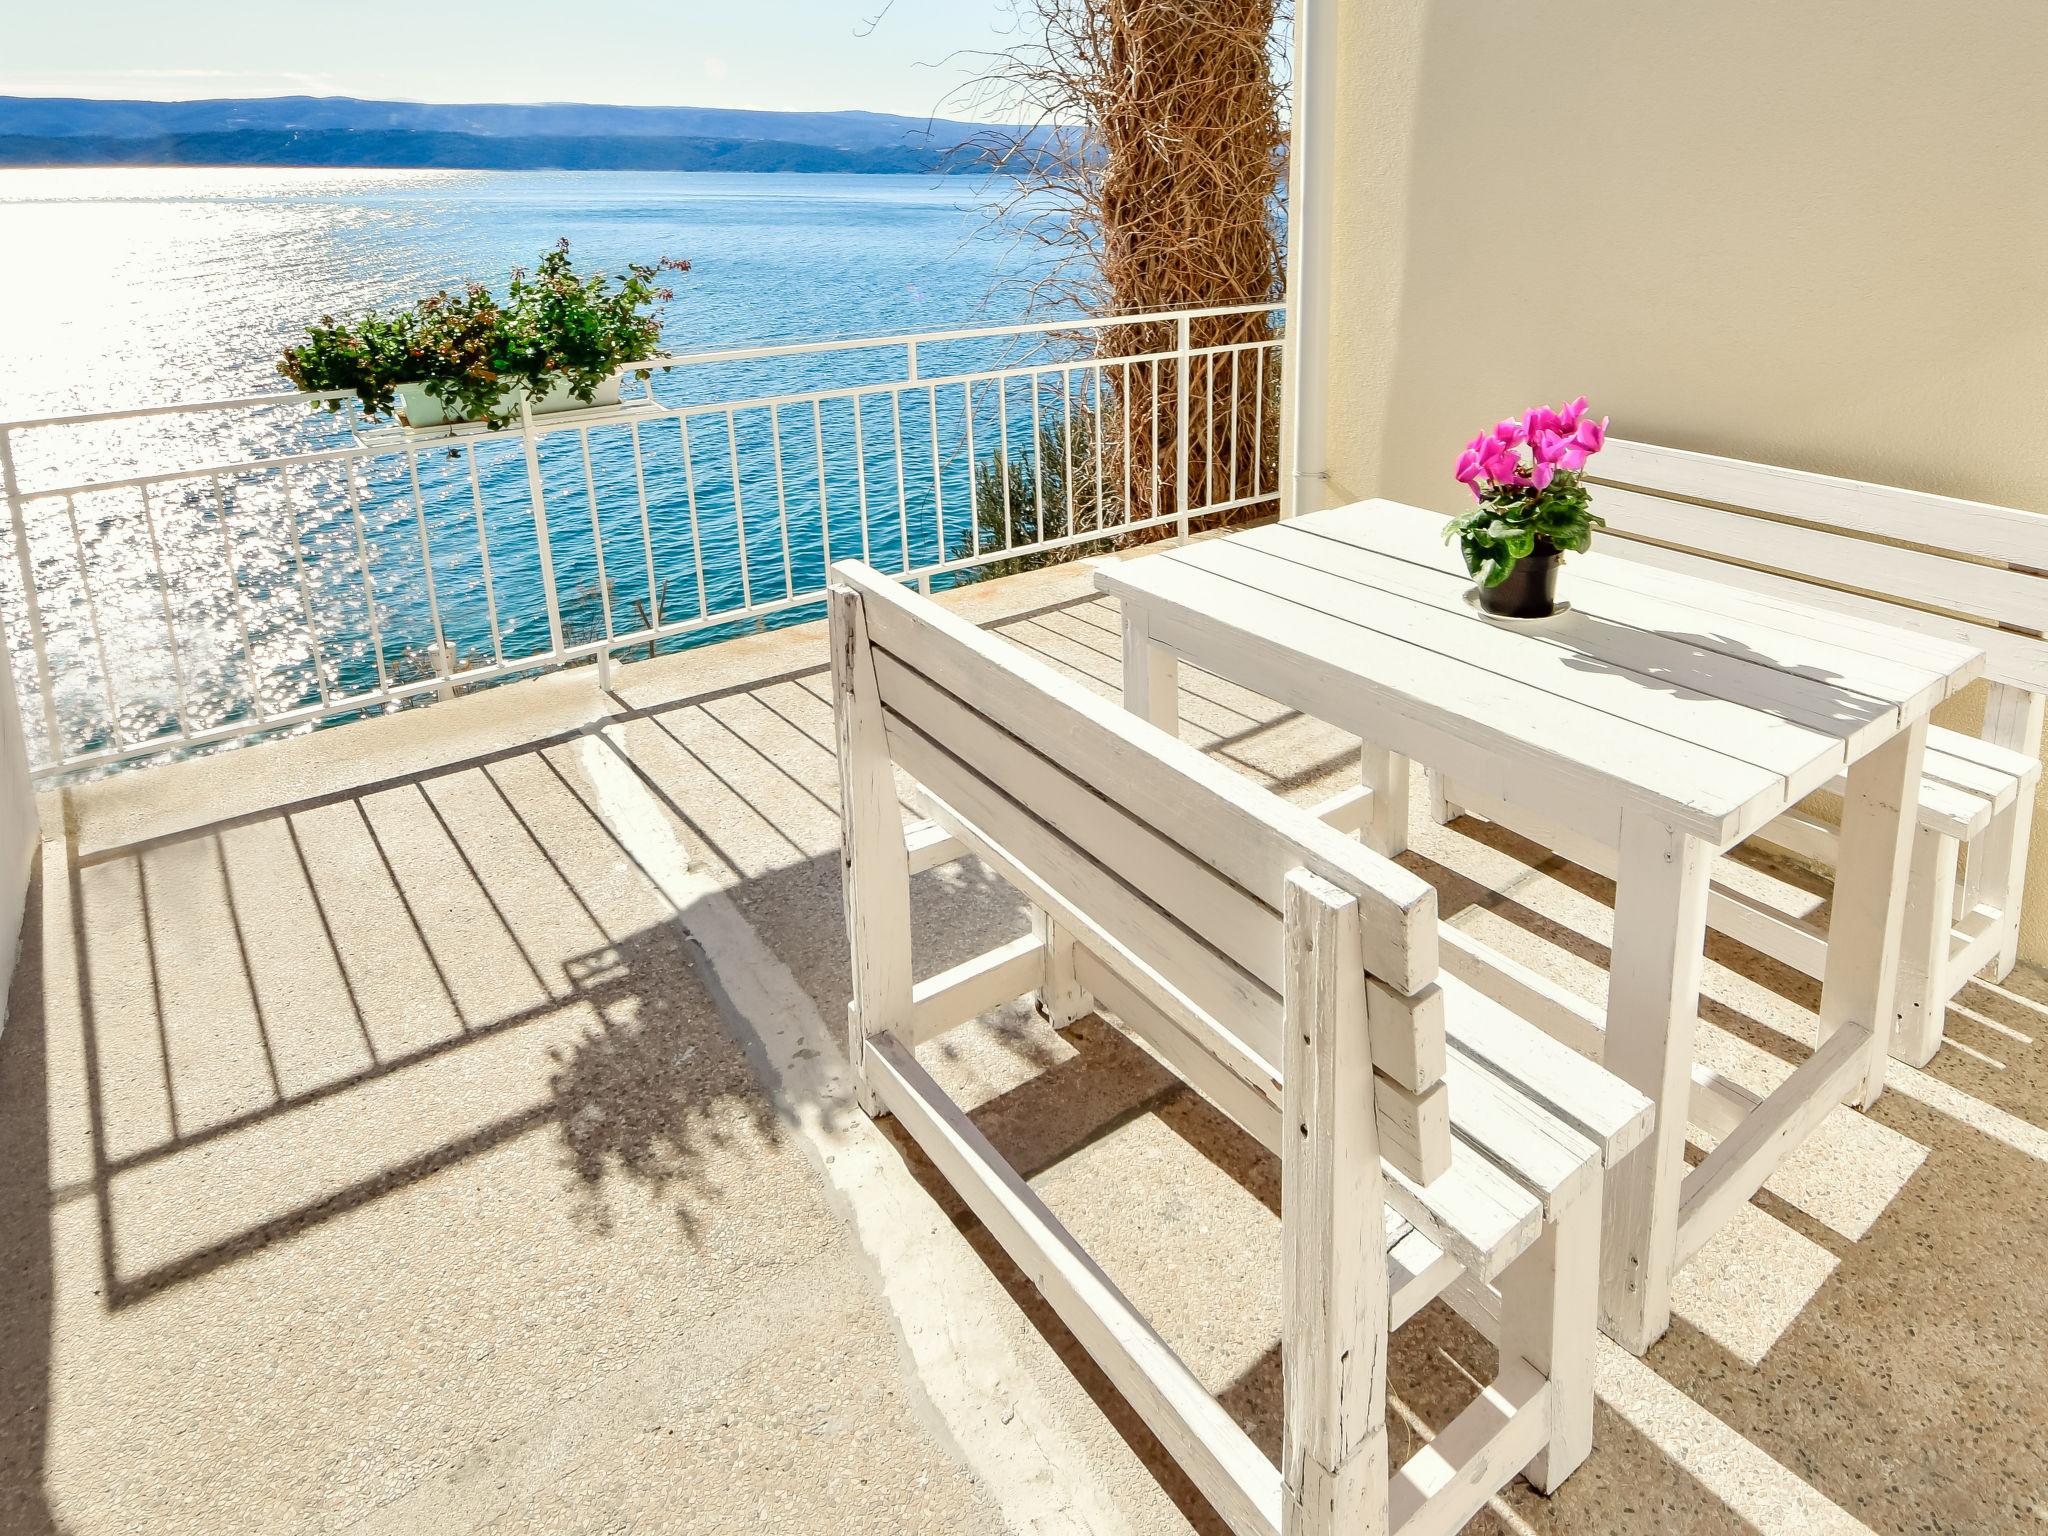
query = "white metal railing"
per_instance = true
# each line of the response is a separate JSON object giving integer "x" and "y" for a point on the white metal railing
{"x": 258, "y": 567}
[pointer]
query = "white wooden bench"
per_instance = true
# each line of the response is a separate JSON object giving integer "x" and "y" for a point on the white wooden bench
{"x": 1956, "y": 570}
{"x": 1431, "y": 1142}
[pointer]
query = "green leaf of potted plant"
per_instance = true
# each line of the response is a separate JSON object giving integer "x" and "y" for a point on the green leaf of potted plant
{"x": 1533, "y": 507}
{"x": 558, "y": 341}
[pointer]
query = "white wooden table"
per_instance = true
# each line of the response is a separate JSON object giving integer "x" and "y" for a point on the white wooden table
{"x": 1657, "y": 724}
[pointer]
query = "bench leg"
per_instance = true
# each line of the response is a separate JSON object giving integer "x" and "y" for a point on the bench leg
{"x": 1920, "y": 1009}
{"x": 1653, "y": 1004}
{"x": 1442, "y": 809}
{"x": 1333, "y": 1268}
{"x": 1151, "y": 673}
{"x": 2012, "y": 719}
{"x": 1549, "y": 1315}
{"x": 1061, "y": 998}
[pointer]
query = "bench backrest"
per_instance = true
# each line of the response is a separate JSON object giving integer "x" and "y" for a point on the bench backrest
{"x": 1961, "y": 569}
{"x": 1138, "y": 845}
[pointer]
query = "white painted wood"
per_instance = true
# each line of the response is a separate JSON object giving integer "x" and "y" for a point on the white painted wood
{"x": 1870, "y": 898}
{"x": 973, "y": 987}
{"x": 1441, "y": 810}
{"x": 1660, "y": 920}
{"x": 874, "y": 867}
{"x": 1855, "y": 667}
{"x": 1221, "y": 816}
{"x": 1061, "y": 997}
{"x": 1549, "y": 1318}
{"x": 1593, "y": 1102}
{"x": 1384, "y": 777}
{"x": 1672, "y": 682}
{"x": 1417, "y": 1272}
{"x": 1920, "y": 1005}
{"x": 1737, "y": 1167}
{"x": 2012, "y": 722}
{"x": 2009, "y": 656}
{"x": 1805, "y": 836}
{"x": 1867, "y": 510}
{"x": 1151, "y": 675}
{"x": 951, "y": 743}
{"x": 1333, "y": 1238}
{"x": 1444, "y": 1484}
{"x": 1407, "y": 1034}
{"x": 1574, "y": 762}
{"x": 1218, "y": 1457}
{"x": 1520, "y": 1136}
{"x": 927, "y": 846}
{"x": 1988, "y": 592}
{"x": 1348, "y": 810}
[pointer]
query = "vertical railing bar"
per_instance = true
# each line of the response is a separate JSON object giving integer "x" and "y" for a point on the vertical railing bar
{"x": 163, "y": 592}
{"x": 483, "y": 544}
{"x": 1101, "y": 491}
{"x": 419, "y": 513}
{"x": 973, "y": 499}
{"x": 604, "y": 594}
{"x": 1209, "y": 434}
{"x": 1129, "y": 435}
{"x": 690, "y": 492}
{"x": 1234, "y": 437}
{"x": 227, "y": 550}
{"x": 1037, "y": 462}
{"x": 38, "y": 641}
{"x": 739, "y": 515}
{"x": 1067, "y": 446}
{"x": 646, "y": 527}
{"x": 537, "y": 494}
{"x": 824, "y": 502}
{"x": 781, "y": 500}
{"x": 355, "y": 507}
{"x": 1154, "y": 454}
{"x": 1003, "y": 422}
{"x": 1185, "y": 373}
{"x": 99, "y": 638}
{"x": 298, "y": 533}
{"x": 1259, "y": 424}
{"x": 902, "y": 487}
{"x": 938, "y": 477}
{"x": 860, "y": 472}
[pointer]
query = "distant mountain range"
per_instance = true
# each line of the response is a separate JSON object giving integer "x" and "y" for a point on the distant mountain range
{"x": 331, "y": 131}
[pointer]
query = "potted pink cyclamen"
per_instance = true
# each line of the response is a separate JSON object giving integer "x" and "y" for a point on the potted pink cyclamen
{"x": 1532, "y": 506}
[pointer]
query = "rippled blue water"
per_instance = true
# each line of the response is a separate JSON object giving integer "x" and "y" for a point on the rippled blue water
{"x": 137, "y": 287}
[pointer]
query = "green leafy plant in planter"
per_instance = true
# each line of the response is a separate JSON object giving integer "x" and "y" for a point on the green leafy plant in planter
{"x": 477, "y": 357}
{"x": 1533, "y": 506}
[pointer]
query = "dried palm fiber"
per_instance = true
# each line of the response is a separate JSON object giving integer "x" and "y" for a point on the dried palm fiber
{"x": 1148, "y": 168}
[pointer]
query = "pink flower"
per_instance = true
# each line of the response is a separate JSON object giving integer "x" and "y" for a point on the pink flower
{"x": 1541, "y": 475}
{"x": 1590, "y": 434}
{"x": 1510, "y": 432}
{"x": 1573, "y": 457}
{"x": 1541, "y": 419}
{"x": 1549, "y": 445}
{"x": 1503, "y": 466}
{"x": 1469, "y": 467}
{"x": 1568, "y": 416}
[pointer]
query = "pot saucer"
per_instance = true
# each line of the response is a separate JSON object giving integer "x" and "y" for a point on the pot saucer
{"x": 1472, "y": 601}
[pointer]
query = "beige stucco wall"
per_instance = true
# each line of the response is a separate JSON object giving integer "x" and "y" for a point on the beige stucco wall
{"x": 1814, "y": 234}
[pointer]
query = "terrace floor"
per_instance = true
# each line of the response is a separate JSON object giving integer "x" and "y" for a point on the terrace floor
{"x": 437, "y": 1124}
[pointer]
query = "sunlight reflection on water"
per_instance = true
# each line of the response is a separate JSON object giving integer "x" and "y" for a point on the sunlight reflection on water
{"x": 123, "y": 288}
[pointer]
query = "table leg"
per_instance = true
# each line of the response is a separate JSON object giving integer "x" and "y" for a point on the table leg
{"x": 1151, "y": 673}
{"x": 1653, "y": 1001}
{"x": 1386, "y": 775}
{"x": 1867, "y": 921}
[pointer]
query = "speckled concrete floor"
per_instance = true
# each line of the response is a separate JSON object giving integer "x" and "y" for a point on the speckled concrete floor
{"x": 393, "y": 1143}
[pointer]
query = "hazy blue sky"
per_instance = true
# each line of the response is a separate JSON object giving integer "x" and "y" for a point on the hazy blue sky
{"x": 791, "y": 54}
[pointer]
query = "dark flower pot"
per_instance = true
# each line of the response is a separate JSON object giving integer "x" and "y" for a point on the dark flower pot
{"x": 1530, "y": 592}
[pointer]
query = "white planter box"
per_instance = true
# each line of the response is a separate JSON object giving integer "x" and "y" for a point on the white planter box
{"x": 418, "y": 408}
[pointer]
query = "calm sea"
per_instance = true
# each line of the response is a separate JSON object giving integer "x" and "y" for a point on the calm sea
{"x": 127, "y": 288}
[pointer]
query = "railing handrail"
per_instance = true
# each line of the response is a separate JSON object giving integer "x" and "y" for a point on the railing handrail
{"x": 220, "y": 605}
{"x": 753, "y": 352}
